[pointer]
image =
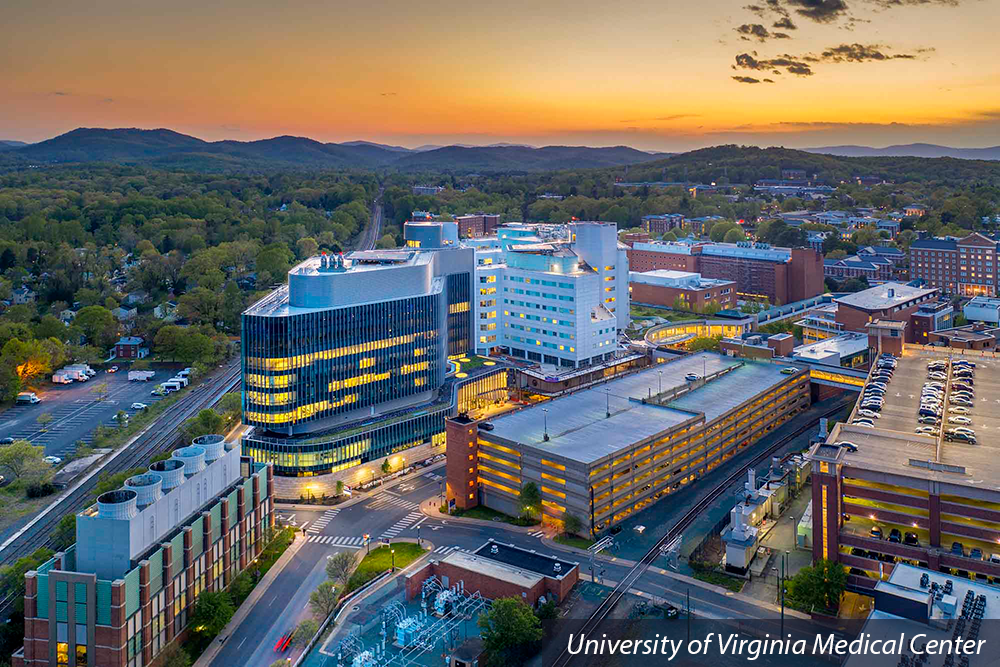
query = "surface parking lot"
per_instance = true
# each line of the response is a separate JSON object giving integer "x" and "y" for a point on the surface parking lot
{"x": 76, "y": 410}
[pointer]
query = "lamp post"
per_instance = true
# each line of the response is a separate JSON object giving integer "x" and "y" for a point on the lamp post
{"x": 368, "y": 542}
{"x": 392, "y": 553}
{"x": 418, "y": 535}
{"x": 607, "y": 394}
{"x": 659, "y": 382}
{"x": 545, "y": 420}
{"x": 784, "y": 558}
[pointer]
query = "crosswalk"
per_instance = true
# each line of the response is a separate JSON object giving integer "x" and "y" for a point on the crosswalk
{"x": 319, "y": 524}
{"x": 537, "y": 533}
{"x": 337, "y": 541}
{"x": 445, "y": 550}
{"x": 401, "y": 525}
{"x": 433, "y": 476}
{"x": 384, "y": 500}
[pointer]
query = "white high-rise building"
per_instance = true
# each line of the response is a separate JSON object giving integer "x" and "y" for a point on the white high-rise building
{"x": 561, "y": 294}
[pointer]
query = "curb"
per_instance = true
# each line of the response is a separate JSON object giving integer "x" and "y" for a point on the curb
{"x": 256, "y": 594}
{"x": 430, "y": 509}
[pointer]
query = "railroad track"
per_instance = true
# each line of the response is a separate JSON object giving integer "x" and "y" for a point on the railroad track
{"x": 633, "y": 575}
{"x": 158, "y": 436}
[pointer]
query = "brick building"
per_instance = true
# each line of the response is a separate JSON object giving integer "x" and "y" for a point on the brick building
{"x": 499, "y": 570}
{"x": 664, "y": 288}
{"x": 966, "y": 266}
{"x": 781, "y": 275}
{"x": 892, "y": 301}
{"x": 130, "y": 347}
{"x": 143, "y": 554}
{"x": 477, "y": 225}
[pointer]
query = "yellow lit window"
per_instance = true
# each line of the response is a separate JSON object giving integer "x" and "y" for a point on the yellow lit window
{"x": 554, "y": 492}
{"x": 367, "y": 362}
{"x": 553, "y": 478}
{"x": 552, "y": 464}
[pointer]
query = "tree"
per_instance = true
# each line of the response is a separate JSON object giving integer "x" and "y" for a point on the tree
{"x": 212, "y": 611}
{"x": 837, "y": 253}
{"x": 386, "y": 467}
{"x": 854, "y": 285}
{"x": 174, "y": 656}
{"x": 323, "y": 600}
{"x": 20, "y": 458}
{"x": 100, "y": 391}
{"x": 734, "y": 235}
{"x": 387, "y": 241}
{"x": 530, "y": 499}
{"x": 669, "y": 236}
{"x": 64, "y": 534}
{"x": 339, "y": 568}
{"x": 820, "y": 586}
{"x": 306, "y": 247}
{"x": 704, "y": 343}
{"x": 26, "y": 360}
{"x": 98, "y": 325}
{"x": 273, "y": 263}
{"x": 305, "y": 631}
{"x": 230, "y": 405}
{"x": 572, "y": 524}
{"x": 340, "y": 487}
{"x": 200, "y": 305}
{"x": 12, "y": 576}
{"x": 43, "y": 420}
{"x": 205, "y": 422}
{"x": 122, "y": 418}
{"x": 510, "y": 632}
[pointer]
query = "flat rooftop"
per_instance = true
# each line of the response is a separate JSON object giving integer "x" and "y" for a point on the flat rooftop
{"x": 532, "y": 561}
{"x": 844, "y": 346}
{"x": 579, "y": 429}
{"x": 893, "y": 444}
{"x": 884, "y": 296}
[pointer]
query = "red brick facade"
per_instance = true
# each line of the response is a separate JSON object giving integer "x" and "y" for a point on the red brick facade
{"x": 462, "y": 469}
{"x": 490, "y": 587}
{"x": 696, "y": 298}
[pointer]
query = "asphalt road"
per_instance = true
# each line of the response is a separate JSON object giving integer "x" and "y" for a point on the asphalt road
{"x": 76, "y": 410}
{"x": 394, "y": 512}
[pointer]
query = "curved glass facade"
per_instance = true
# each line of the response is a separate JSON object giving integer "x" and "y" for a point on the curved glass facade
{"x": 300, "y": 369}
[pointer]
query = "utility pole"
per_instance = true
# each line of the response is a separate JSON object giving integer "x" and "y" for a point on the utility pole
{"x": 689, "y": 615}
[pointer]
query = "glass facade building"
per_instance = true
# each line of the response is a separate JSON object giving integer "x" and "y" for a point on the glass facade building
{"x": 346, "y": 364}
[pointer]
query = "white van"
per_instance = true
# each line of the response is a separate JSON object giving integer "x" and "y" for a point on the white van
{"x": 171, "y": 386}
{"x": 182, "y": 381}
{"x": 27, "y": 398}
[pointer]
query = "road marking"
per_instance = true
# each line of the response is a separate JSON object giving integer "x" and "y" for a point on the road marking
{"x": 241, "y": 644}
{"x": 418, "y": 523}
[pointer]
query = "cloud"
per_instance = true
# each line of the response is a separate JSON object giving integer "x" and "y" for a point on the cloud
{"x": 60, "y": 93}
{"x": 108, "y": 100}
{"x": 745, "y": 79}
{"x": 677, "y": 116}
{"x": 753, "y": 31}
{"x": 889, "y": 4}
{"x": 768, "y": 80}
{"x": 388, "y": 94}
{"x": 820, "y": 11}
{"x": 785, "y": 23}
{"x": 791, "y": 64}
{"x": 859, "y": 53}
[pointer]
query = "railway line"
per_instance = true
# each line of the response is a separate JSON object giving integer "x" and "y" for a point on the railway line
{"x": 611, "y": 601}
{"x": 158, "y": 436}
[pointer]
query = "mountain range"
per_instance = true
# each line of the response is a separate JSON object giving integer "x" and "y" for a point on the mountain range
{"x": 910, "y": 150}
{"x": 165, "y": 148}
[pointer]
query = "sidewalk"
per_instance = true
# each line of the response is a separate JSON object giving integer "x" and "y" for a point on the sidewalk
{"x": 208, "y": 656}
{"x": 360, "y": 496}
{"x": 432, "y": 509}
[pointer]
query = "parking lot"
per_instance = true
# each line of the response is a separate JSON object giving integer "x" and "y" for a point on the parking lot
{"x": 76, "y": 410}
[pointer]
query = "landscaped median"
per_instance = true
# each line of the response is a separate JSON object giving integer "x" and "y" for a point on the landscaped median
{"x": 400, "y": 555}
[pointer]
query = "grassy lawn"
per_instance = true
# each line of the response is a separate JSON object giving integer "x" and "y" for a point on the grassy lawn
{"x": 642, "y": 312}
{"x": 381, "y": 559}
{"x": 472, "y": 364}
{"x": 574, "y": 541}
{"x": 16, "y": 506}
{"x": 487, "y": 514}
{"x": 720, "y": 579}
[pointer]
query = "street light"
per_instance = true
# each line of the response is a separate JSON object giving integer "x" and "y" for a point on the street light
{"x": 392, "y": 553}
{"x": 607, "y": 393}
{"x": 659, "y": 382}
{"x": 545, "y": 418}
{"x": 368, "y": 542}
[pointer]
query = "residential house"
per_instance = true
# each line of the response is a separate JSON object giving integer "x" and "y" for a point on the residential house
{"x": 130, "y": 347}
{"x": 137, "y": 297}
{"x": 166, "y": 311}
{"x": 23, "y": 295}
{"x": 124, "y": 314}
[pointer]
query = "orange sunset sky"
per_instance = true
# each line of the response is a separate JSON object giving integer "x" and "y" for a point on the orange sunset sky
{"x": 654, "y": 74}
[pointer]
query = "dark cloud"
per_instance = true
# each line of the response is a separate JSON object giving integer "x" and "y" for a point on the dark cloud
{"x": 59, "y": 93}
{"x": 860, "y": 53}
{"x": 785, "y": 23}
{"x": 768, "y": 80}
{"x": 780, "y": 35}
{"x": 753, "y": 31}
{"x": 388, "y": 94}
{"x": 889, "y": 4}
{"x": 791, "y": 64}
{"x": 745, "y": 79}
{"x": 108, "y": 100}
{"x": 820, "y": 11}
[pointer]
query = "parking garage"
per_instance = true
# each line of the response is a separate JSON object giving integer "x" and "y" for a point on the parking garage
{"x": 896, "y": 496}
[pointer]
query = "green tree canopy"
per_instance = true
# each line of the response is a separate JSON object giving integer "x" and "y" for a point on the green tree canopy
{"x": 530, "y": 499}
{"x": 212, "y": 611}
{"x": 323, "y": 600}
{"x": 510, "y": 632}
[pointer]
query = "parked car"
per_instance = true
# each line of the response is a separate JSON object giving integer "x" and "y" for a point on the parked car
{"x": 52, "y": 460}
{"x": 959, "y": 420}
{"x": 895, "y": 536}
{"x": 957, "y": 549}
{"x": 976, "y": 553}
{"x": 691, "y": 377}
{"x": 929, "y": 419}
{"x": 951, "y": 436}
{"x": 926, "y": 430}
{"x": 875, "y": 532}
{"x": 7, "y": 441}
{"x": 911, "y": 540}
{"x": 871, "y": 414}
{"x": 959, "y": 410}
{"x": 789, "y": 370}
{"x": 138, "y": 406}
{"x": 113, "y": 369}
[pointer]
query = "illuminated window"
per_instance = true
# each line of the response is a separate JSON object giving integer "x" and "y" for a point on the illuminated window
{"x": 551, "y": 464}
